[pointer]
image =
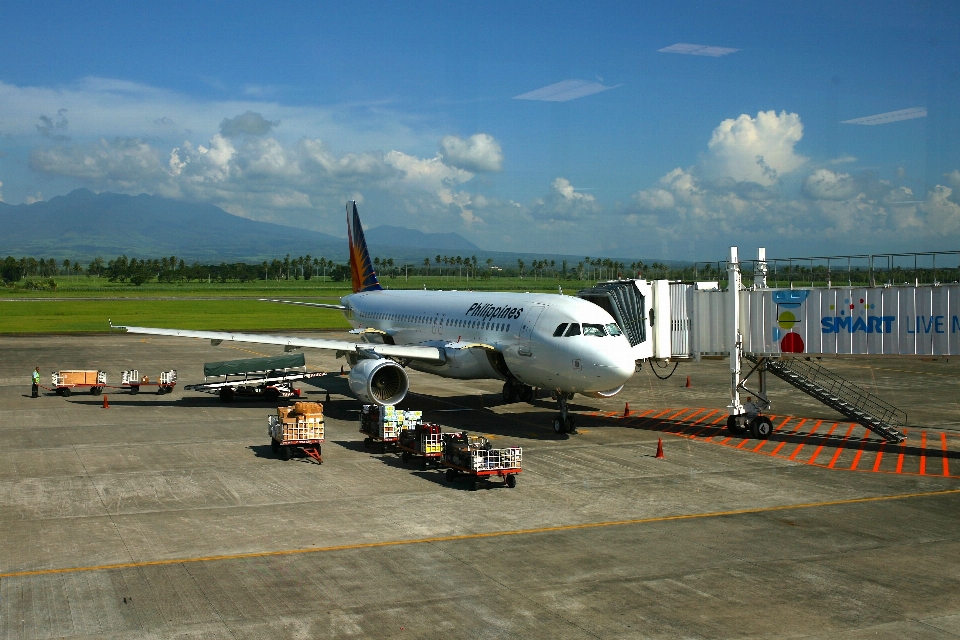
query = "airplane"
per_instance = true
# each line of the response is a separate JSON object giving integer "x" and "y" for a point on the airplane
{"x": 528, "y": 340}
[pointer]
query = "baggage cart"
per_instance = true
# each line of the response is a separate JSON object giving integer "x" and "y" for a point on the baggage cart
{"x": 297, "y": 429}
{"x": 65, "y": 382}
{"x": 383, "y": 425}
{"x": 472, "y": 458}
{"x": 423, "y": 441}
{"x": 131, "y": 379}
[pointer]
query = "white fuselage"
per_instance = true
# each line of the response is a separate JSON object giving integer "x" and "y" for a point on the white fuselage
{"x": 501, "y": 336}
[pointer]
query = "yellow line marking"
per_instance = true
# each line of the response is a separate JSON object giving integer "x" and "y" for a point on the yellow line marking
{"x": 478, "y": 536}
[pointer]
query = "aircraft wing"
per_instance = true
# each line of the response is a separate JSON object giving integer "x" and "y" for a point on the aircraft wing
{"x": 307, "y": 304}
{"x": 414, "y": 352}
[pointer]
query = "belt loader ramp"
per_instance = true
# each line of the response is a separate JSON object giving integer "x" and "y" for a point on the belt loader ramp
{"x": 782, "y": 332}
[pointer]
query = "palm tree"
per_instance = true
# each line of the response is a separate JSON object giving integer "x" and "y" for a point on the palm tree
{"x": 520, "y": 267}
{"x": 426, "y": 266}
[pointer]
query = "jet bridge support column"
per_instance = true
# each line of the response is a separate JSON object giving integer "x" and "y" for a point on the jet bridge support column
{"x": 746, "y": 416}
{"x": 736, "y": 340}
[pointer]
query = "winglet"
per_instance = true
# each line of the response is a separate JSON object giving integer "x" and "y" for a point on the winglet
{"x": 363, "y": 277}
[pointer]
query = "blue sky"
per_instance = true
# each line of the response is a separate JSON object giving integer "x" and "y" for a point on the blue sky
{"x": 281, "y": 112}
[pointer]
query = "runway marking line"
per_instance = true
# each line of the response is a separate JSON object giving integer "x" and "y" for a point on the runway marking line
{"x": 478, "y": 536}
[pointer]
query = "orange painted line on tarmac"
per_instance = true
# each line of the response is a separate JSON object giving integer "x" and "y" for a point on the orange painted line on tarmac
{"x": 804, "y": 443}
{"x": 784, "y": 443}
{"x": 840, "y": 449}
{"x": 712, "y": 424}
{"x": 876, "y": 463}
{"x": 477, "y": 536}
{"x": 764, "y": 443}
{"x": 923, "y": 453}
{"x": 674, "y": 416}
{"x": 903, "y": 448}
{"x": 863, "y": 443}
{"x": 813, "y": 458}
{"x": 701, "y": 419}
{"x": 946, "y": 462}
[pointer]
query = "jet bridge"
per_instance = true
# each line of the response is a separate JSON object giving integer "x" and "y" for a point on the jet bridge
{"x": 783, "y": 331}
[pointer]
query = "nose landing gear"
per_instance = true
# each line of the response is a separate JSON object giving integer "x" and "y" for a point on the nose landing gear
{"x": 564, "y": 423}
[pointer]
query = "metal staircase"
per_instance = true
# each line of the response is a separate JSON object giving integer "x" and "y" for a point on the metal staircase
{"x": 839, "y": 394}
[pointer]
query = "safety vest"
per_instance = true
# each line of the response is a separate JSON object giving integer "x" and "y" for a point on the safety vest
{"x": 36, "y": 377}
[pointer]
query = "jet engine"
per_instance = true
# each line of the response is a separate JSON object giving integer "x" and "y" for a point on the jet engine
{"x": 378, "y": 381}
{"x": 603, "y": 394}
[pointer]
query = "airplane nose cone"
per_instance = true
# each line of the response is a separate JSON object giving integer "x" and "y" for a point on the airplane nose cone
{"x": 616, "y": 366}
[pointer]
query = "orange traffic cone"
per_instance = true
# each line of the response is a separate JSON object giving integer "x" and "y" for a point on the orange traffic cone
{"x": 626, "y": 409}
{"x": 106, "y": 405}
{"x": 688, "y": 382}
{"x": 659, "y": 448}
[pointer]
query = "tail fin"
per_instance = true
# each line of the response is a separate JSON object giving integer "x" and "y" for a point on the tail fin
{"x": 361, "y": 268}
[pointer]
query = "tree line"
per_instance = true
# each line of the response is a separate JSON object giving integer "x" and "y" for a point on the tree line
{"x": 173, "y": 269}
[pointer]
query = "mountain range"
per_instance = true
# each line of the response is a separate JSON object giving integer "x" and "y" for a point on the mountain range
{"x": 84, "y": 224}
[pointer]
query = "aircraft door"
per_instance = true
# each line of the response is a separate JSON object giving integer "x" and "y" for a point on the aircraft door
{"x": 526, "y": 329}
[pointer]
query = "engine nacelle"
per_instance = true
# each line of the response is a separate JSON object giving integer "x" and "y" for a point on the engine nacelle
{"x": 378, "y": 381}
{"x": 603, "y": 394}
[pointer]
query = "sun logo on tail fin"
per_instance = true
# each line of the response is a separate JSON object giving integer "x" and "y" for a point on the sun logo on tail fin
{"x": 363, "y": 277}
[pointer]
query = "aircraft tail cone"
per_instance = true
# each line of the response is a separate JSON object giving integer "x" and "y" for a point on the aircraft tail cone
{"x": 106, "y": 405}
{"x": 626, "y": 409}
{"x": 688, "y": 382}
{"x": 659, "y": 448}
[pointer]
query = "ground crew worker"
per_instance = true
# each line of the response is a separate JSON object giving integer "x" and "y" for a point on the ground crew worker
{"x": 36, "y": 383}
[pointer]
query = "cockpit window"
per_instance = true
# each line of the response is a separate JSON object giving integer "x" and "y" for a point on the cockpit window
{"x": 574, "y": 330}
{"x": 594, "y": 330}
{"x": 560, "y": 329}
{"x": 613, "y": 329}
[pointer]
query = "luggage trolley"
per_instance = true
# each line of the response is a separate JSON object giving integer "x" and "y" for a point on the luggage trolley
{"x": 64, "y": 382}
{"x": 297, "y": 428}
{"x": 423, "y": 441}
{"x": 384, "y": 424}
{"x": 473, "y": 458}
{"x": 131, "y": 379}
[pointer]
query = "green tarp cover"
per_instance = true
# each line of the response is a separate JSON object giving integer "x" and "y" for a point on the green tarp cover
{"x": 250, "y": 365}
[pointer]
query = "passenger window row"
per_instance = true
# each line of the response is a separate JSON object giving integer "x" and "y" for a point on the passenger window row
{"x": 466, "y": 324}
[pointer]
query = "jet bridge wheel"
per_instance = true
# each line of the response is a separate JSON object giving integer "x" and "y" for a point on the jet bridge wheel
{"x": 736, "y": 426}
{"x": 761, "y": 427}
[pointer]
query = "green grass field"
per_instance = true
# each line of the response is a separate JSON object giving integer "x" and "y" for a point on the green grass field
{"x": 82, "y": 305}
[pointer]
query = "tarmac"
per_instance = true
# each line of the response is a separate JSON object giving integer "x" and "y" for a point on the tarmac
{"x": 169, "y": 516}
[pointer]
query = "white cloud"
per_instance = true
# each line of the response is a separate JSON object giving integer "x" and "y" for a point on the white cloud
{"x": 247, "y": 123}
{"x": 478, "y": 153}
{"x": 824, "y": 184}
{"x": 565, "y": 204}
{"x": 757, "y": 149}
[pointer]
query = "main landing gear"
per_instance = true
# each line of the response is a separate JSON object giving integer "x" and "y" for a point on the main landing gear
{"x": 514, "y": 391}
